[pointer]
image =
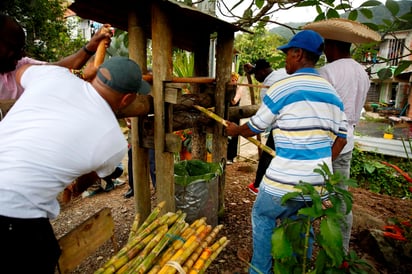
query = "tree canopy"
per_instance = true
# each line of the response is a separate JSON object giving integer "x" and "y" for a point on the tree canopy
{"x": 260, "y": 44}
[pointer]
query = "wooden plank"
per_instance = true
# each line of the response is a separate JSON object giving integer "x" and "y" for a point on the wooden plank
{"x": 201, "y": 65}
{"x": 224, "y": 54}
{"x": 84, "y": 239}
{"x": 162, "y": 35}
{"x": 140, "y": 155}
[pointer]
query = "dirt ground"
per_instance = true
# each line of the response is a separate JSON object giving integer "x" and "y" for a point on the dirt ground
{"x": 236, "y": 221}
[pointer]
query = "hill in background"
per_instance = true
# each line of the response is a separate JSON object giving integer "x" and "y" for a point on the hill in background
{"x": 379, "y": 14}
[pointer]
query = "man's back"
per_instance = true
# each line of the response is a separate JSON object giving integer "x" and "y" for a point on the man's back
{"x": 43, "y": 158}
{"x": 352, "y": 83}
{"x": 307, "y": 113}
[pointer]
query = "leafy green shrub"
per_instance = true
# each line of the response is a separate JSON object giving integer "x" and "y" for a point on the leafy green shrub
{"x": 370, "y": 173}
{"x": 290, "y": 240}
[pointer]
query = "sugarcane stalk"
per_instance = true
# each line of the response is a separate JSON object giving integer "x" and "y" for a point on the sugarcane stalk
{"x": 174, "y": 216}
{"x": 195, "y": 255}
{"x": 176, "y": 245}
{"x": 135, "y": 226}
{"x": 123, "y": 263}
{"x": 224, "y": 123}
{"x": 155, "y": 269}
{"x": 130, "y": 267}
{"x": 166, "y": 239}
{"x": 181, "y": 218}
{"x": 198, "y": 222}
{"x": 183, "y": 253}
{"x": 153, "y": 215}
{"x": 129, "y": 250}
{"x": 208, "y": 255}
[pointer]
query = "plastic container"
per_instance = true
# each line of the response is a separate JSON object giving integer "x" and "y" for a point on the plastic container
{"x": 197, "y": 189}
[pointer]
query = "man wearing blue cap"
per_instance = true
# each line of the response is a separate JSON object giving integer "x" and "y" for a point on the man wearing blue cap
{"x": 309, "y": 128}
{"x": 61, "y": 128}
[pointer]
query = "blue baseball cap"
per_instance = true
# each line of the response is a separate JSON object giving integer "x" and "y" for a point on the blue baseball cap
{"x": 124, "y": 76}
{"x": 306, "y": 39}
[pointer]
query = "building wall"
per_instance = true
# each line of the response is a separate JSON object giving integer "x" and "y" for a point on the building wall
{"x": 397, "y": 44}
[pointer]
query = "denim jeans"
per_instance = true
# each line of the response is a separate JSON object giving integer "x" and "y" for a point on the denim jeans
{"x": 342, "y": 164}
{"x": 266, "y": 210}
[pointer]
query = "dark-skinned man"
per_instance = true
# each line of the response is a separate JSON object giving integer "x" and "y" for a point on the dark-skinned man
{"x": 309, "y": 128}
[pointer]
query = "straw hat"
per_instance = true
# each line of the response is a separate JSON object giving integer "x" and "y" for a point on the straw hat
{"x": 344, "y": 30}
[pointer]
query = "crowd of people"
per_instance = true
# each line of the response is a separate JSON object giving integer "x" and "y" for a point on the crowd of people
{"x": 51, "y": 135}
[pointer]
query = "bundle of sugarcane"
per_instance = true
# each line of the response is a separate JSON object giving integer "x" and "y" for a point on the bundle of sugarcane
{"x": 167, "y": 244}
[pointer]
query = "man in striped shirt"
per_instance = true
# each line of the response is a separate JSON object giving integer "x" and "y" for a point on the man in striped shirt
{"x": 309, "y": 128}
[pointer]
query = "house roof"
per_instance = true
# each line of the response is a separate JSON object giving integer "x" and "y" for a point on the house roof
{"x": 189, "y": 25}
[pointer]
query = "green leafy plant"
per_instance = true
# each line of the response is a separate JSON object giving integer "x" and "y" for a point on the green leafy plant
{"x": 371, "y": 174}
{"x": 389, "y": 129}
{"x": 290, "y": 240}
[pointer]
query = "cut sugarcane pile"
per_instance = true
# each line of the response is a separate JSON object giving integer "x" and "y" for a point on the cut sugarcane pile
{"x": 167, "y": 244}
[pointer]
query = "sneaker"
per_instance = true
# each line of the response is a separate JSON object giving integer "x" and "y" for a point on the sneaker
{"x": 253, "y": 189}
{"x": 107, "y": 185}
{"x": 118, "y": 182}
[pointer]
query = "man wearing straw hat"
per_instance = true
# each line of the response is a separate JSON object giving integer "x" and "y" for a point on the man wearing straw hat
{"x": 306, "y": 115}
{"x": 351, "y": 82}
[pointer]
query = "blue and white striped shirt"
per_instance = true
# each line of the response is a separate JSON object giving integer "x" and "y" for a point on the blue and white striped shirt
{"x": 306, "y": 115}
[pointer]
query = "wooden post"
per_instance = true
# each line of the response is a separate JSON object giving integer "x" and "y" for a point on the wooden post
{"x": 224, "y": 52}
{"x": 140, "y": 158}
{"x": 199, "y": 150}
{"x": 162, "y": 71}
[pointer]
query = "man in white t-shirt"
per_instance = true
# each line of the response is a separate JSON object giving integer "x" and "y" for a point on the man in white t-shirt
{"x": 352, "y": 83}
{"x": 60, "y": 128}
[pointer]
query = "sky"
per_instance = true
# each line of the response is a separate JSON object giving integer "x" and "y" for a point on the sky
{"x": 301, "y": 14}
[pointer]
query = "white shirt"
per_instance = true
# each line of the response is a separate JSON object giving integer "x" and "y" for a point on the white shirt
{"x": 58, "y": 130}
{"x": 352, "y": 83}
{"x": 273, "y": 77}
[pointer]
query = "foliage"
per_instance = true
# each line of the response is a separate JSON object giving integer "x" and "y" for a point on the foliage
{"x": 47, "y": 36}
{"x": 260, "y": 44}
{"x": 290, "y": 240}
{"x": 389, "y": 129}
{"x": 119, "y": 46}
{"x": 391, "y": 16}
{"x": 367, "y": 169}
{"x": 183, "y": 63}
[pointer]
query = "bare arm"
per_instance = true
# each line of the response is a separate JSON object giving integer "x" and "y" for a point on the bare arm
{"x": 233, "y": 129}
{"x": 20, "y": 72}
{"x": 337, "y": 147}
{"x": 79, "y": 59}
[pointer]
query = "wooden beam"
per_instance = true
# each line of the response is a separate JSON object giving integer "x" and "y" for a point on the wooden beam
{"x": 140, "y": 156}
{"x": 162, "y": 71}
{"x": 224, "y": 55}
{"x": 84, "y": 239}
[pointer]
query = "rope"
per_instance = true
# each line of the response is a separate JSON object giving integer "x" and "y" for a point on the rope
{"x": 176, "y": 266}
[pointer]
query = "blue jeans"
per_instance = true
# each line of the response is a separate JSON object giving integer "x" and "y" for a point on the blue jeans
{"x": 266, "y": 210}
{"x": 342, "y": 164}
